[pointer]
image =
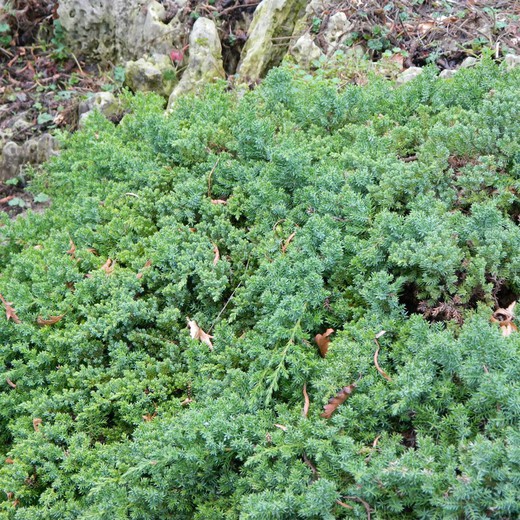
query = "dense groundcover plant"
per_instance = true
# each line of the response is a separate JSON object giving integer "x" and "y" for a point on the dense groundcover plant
{"x": 267, "y": 218}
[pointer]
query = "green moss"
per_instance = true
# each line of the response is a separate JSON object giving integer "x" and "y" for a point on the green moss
{"x": 344, "y": 208}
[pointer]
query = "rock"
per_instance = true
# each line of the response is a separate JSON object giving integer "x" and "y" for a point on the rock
{"x": 470, "y": 61}
{"x": 205, "y": 59}
{"x": 356, "y": 51}
{"x": 337, "y": 31}
{"x": 273, "y": 19}
{"x": 408, "y": 75}
{"x": 447, "y": 73}
{"x": 104, "y": 102}
{"x": 116, "y": 30}
{"x": 512, "y": 61}
{"x": 305, "y": 51}
{"x": 155, "y": 74}
{"x": 33, "y": 151}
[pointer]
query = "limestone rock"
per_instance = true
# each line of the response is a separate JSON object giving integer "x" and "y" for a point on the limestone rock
{"x": 34, "y": 151}
{"x": 408, "y": 75}
{"x": 155, "y": 74}
{"x": 512, "y": 61}
{"x": 205, "y": 59}
{"x": 104, "y": 102}
{"x": 305, "y": 51}
{"x": 447, "y": 73}
{"x": 273, "y": 19}
{"x": 470, "y": 61}
{"x": 119, "y": 29}
{"x": 337, "y": 31}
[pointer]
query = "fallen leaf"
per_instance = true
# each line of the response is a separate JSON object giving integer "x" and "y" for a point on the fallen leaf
{"x": 337, "y": 400}
{"x": 9, "y": 310}
{"x": 9, "y": 461}
{"x": 197, "y": 333}
{"x": 282, "y": 427}
{"x": 323, "y": 341}
{"x": 6, "y": 199}
{"x": 287, "y": 242}
{"x": 219, "y": 201}
{"x": 10, "y": 383}
{"x": 505, "y": 317}
{"x": 37, "y": 423}
{"x": 145, "y": 266}
{"x": 108, "y": 266}
{"x": 93, "y": 251}
{"x": 50, "y": 321}
{"x": 217, "y": 254}
{"x": 306, "y": 401}
{"x": 149, "y": 417}
{"x": 72, "y": 250}
{"x": 424, "y": 27}
{"x": 186, "y": 401}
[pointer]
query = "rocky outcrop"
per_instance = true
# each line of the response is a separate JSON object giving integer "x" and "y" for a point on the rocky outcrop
{"x": 273, "y": 24}
{"x": 153, "y": 74}
{"x": 33, "y": 151}
{"x": 205, "y": 59}
{"x": 118, "y": 30}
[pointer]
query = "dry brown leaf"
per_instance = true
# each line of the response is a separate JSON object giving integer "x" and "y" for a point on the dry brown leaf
{"x": 72, "y": 250}
{"x": 219, "y": 201}
{"x": 10, "y": 383}
{"x": 9, "y": 461}
{"x": 505, "y": 317}
{"x": 217, "y": 254}
{"x": 306, "y": 401}
{"x": 37, "y": 423}
{"x": 149, "y": 416}
{"x": 337, "y": 400}
{"x": 286, "y": 242}
{"x": 186, "y": 401}
{"x": 93, "y": 251}
{"x": 197, "y": 333}
{"x": 6, "y": 199}
{"x": 145, "y": 266}
{"x": 424, "y": 27}
{"x": 108, "y": 266}
{"x": 323, "y": 341}
{"x": 282, "y": 427}
{"x": 9, "y": 310}
{"x": 50, "y": 321}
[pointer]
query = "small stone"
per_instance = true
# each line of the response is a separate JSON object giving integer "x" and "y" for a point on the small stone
{"x": 104, "y": 102}
{"x": 512, "y": 61}
{"x": 447, "y": 73}
{"x": 470, "y": 61}
{"x": 408, "y": 75}
{"x": 305, "y": 51}
{"x": 337, "y": 31}
{"x": 155, "y": 74}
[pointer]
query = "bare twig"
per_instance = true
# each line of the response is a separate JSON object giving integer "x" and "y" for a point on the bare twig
{"x": 379, "y": 369}
{"x": 307, "y": 402}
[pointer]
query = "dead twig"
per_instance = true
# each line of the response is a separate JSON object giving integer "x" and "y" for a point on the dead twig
{"x": 307, "y": 402}
{"x": 379, "y": 369}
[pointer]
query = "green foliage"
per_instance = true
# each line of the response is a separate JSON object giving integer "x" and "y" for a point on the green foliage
{"x": 344, "y": 208}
